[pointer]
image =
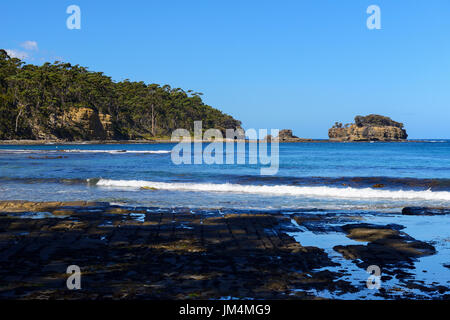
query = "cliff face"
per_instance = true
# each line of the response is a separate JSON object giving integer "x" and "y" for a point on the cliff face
{"x": 90, "y": 124}
{"x": 76, "y": 123}
{"x": 369, "y": 128}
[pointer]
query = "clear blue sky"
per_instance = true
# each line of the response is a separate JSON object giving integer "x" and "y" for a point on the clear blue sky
{"x": 272, "y": 64}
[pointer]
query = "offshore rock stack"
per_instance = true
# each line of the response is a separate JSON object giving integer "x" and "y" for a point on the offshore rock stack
{"x": 286, "y": 135}
{"x": 369, "y": 128}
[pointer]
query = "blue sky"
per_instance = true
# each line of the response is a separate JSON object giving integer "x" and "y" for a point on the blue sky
{"x": 272, "y": 64}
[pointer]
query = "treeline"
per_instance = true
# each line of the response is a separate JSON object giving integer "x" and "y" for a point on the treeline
{"x": 34, "y": 102}
{"x": 376, "y": 120}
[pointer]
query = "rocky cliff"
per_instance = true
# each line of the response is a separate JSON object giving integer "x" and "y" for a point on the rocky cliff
{"x": 91, "y": 123}
{"x": 75, "y": 123}
{"x": 369, "y": 128}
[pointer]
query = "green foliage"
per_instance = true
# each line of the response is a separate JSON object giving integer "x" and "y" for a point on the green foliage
{"x": 373, "y": 120}
{"x": 36, "y": 98}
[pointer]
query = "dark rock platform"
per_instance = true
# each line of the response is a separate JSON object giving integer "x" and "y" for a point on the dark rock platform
{"x": 164, "y": 253}
{"x": 150, "y": 253}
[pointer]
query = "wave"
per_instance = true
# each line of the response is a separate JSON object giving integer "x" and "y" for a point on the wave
{"x": 435, "y": 184}
{"x": 116, "y": 151}
{"x": 319, "y": 191}
{"x": 86, "y": 151}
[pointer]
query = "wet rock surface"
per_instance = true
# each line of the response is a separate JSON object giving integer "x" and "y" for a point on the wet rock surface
{"x": 150, "y": 253}
{"x": 154, "y": 253}
{"x": 425, "y": 211}
{"x": 386, "y": 245}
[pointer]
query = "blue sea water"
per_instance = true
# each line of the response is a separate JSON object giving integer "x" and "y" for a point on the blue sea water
{"x": 332, "y": 176}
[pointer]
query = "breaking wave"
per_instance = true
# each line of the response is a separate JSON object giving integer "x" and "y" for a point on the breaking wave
{"x": 116, "y": 151}
{"x": 85, "y": 151}
{"x": 285, "y": 190}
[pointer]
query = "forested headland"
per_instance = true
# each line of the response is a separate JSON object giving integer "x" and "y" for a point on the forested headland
{"x": 69, "y": 102}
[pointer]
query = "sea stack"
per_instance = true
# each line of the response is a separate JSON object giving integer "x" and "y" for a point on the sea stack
{"x": 286, "y": 135}
{"x": 369, "y": 128}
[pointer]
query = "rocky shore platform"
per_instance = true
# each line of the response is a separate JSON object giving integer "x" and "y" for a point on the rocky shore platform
{"x": 154, "y": 253}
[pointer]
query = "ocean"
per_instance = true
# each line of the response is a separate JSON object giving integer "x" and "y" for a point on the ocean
{"x": 331, "y": 176}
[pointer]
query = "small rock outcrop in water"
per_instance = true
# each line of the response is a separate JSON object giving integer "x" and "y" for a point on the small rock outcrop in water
{"x": 386, "y": 245}
{"x": 425, "y": 211}
{"x": 286, "y": 135}
{"x": 369, "y": 128}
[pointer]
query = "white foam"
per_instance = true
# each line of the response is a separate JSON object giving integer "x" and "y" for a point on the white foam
{"x": 116, "y": 151}
{"x": 323, "y": 191}
{"x": 86, "y": 151}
